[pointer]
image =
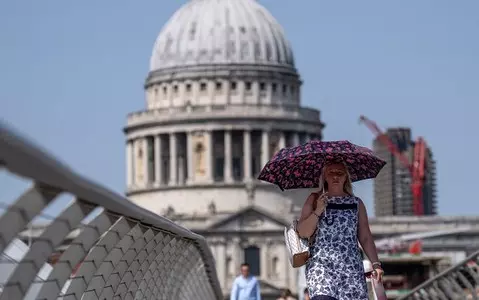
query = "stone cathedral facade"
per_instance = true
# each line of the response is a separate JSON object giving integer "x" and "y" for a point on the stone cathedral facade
{"x": 222, "y": 96}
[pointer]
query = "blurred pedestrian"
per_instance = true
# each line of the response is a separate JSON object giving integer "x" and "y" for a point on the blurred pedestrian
{"x": 286, "y": 295}
{"x": 245, "y": 286}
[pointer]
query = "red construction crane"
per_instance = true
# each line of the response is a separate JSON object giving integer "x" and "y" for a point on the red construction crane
{"x": 416, "y": 168}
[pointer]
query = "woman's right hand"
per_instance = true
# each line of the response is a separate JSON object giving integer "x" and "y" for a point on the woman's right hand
{"x": 321, "y": 204}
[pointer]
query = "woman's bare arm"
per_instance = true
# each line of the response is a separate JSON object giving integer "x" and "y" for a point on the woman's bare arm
{"x": 308, "y": 221}
{"x": 365, "y": 236}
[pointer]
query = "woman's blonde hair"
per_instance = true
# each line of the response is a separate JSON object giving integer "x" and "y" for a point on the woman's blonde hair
{"x": 348, "y": 185}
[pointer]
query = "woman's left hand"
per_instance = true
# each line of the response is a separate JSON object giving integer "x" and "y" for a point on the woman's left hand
{"x": 378, "y": 274}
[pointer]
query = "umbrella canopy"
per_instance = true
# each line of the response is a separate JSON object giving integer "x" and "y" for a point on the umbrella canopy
{"x": 300, "y": 166}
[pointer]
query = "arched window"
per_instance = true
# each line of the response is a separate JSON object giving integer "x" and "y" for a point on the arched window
{"x": 252, "y": 258}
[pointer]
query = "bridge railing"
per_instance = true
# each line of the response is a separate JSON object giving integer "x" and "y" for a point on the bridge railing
{"x": 105, "y": 246}
{"x": 460, "y": 282}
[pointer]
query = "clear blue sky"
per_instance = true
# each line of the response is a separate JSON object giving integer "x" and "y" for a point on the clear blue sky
{"x": 72, "y": 70}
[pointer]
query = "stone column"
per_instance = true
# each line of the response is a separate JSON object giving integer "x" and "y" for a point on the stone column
{"x": 157, "y": 148}
{"x": 173, "y": 156}
{"x": 247, "y": 155}
{"x": 282, "y": 140}
{"x": 241, "y": 87}
{"x": 135, "y": 146}
{"x": 227, "y": 89}
{"x": 295, "y": 138}
{"x": 256, "y": 93}
{"x": 228, "y": 170}
{"x": 211, "y": 91}
{"x": 189, "y": 156}
{"x": 263, "y": 260}
{"x": 169, "y": 94}
{"x": 238, "y": 253}
{"x": 129, "y": 163}
{"x": 265, "y": 155}
{"x": 146, "y": 171}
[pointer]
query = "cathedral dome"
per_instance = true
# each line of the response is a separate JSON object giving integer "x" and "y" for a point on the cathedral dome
{"x": 220, "y": 32}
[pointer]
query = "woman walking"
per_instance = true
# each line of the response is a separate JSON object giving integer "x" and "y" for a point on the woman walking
{"x": 333, "y": 220}
{"x": 337, "y": 220}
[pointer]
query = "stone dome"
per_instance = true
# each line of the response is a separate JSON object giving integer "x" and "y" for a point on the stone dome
{"x": 219, "y": 32}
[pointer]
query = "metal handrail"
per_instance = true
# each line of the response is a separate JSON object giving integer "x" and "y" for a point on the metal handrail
{"x": 25, "y": 159}
{"x": 445, "y": 284}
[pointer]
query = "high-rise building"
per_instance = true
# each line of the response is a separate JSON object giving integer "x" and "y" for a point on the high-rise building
{"x": 392, "y": 187}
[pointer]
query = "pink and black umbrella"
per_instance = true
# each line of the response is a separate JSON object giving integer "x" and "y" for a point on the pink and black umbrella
{"x": 300, "y": 166}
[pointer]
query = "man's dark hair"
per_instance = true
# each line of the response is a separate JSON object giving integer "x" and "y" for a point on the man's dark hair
{"x": 306, "y": 291}
{"x": 245, "y": 265}
{"x": 286, "y": 293}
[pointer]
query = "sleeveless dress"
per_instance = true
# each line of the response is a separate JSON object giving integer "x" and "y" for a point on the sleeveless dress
{"x": 335, "y": 269}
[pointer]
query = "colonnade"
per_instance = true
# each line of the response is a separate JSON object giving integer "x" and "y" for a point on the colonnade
{"x": 204, "y": 157}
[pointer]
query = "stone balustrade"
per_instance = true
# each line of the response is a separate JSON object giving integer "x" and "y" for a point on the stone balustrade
{"x": 222, "y": 111}
{"x": 100, "y": 246}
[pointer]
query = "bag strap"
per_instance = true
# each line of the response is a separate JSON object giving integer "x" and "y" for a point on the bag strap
{"x": 312, "y": 237}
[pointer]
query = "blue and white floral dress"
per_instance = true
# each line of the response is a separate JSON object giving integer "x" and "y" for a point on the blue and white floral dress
{"x": 335, "y": 269}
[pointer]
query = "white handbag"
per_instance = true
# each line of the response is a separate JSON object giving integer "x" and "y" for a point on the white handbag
{"x": 297, "y": 247}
